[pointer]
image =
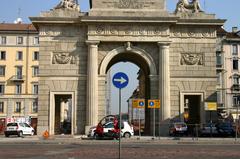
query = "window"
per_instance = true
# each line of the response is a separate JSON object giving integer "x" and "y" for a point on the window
{"x": 20, "y": 40}
{"x": 234, "y": 49}
{"x": 3, "y": 55}
{"x": 35, "y": 55}
{"x": 235, "y": 64}
{"x": 18, "y": 107}
{"x": 35, "y": 106}
{"x": 35, "y": 88}
{"x": 35, "y": 71}
{"x": 2, "y": 88}
{"x": 219, "y": 58}
{"x": 2, "y": 71}
{"x": 19, "y": 55}
{"x": 36, "y": 40}
{"x": 235, "y": 80}
{"x": 236, "y": 100}
{"x": 18, "y": 89}
{"x": 19, "y": 72}
{"x": 1, "y": 107}
{"x": 3, "y": 40}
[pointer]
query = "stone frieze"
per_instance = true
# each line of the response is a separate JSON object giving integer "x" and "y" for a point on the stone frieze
{"x": 130, "y": 30}
{"x": 193, "y": 33}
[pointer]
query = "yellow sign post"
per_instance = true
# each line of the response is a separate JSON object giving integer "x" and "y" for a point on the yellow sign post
{"x": 138, "y": 103}
{"x": 154, "y": 104}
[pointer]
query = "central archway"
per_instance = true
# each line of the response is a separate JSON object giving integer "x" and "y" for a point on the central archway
{"x": 147, "y": 68}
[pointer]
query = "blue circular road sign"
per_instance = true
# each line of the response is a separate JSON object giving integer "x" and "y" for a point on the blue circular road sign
{"x": 120, "y": 80}
{"x": 141, "y": 104}
{"x": 151, "y": 104}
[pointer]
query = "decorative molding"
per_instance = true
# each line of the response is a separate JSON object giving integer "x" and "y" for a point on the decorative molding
{"x": 128, "y": 46}
{"x": 63, "y": 58}
{"x": 118, "y": 30}
{"x": 193, "y": 32}
{"x": 191, "y": 59}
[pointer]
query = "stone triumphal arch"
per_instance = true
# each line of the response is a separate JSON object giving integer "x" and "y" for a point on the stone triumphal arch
{"x": 175, "y": 50}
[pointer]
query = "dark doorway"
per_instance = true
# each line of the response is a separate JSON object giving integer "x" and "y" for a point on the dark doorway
{"x": 34, "y": 124}
{"x": 193, "y": 104}
{"x": 63, "y": 114}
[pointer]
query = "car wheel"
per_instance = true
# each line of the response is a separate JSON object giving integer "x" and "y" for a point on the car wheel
{"x": 32, "y": 133}
{"x": 127, "y": 135}
{"x": 95, "y": 136}
{"x": 6, "y": 135}
{"x": 20, "y": 134}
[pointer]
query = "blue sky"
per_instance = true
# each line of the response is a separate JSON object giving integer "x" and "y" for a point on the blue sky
{"x": 224, "y": 9}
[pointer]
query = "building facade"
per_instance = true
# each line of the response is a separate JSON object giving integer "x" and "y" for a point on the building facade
{"x": 19, "y": 67}
{"x": 228, "y": 71}
{"x": 175, "y": 51}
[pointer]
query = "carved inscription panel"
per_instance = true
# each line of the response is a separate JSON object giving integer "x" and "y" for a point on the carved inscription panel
{"x": 129, "y": 4}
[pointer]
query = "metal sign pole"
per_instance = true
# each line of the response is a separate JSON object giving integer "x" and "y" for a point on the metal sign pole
{"x": 159, "y": 126}
{"x": 153, "y": 123}
{"x": 120, "y": 80}
{"x": 139, "y": 123}
{"x": 120, "y": 123}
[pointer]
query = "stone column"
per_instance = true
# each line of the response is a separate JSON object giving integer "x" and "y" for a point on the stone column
{"x": 92, "y": 85}
{"x": 164, "y": 79}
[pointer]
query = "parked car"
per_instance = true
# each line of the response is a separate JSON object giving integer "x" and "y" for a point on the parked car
{"x": 209, "y": 129}
{"x": 127, "y": 129}
{"x": 178, "y": 128}
{"x": 19, "y": 129}
{"x": 226, "y": 129}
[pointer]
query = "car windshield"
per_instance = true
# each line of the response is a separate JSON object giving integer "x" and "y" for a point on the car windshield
{"x": 26, "y": 125}
{"x": 12, "y": 124}
{"x": 109, "y": 125}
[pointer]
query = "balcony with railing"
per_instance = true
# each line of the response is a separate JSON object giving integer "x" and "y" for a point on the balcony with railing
{"x": 17, "y": 78}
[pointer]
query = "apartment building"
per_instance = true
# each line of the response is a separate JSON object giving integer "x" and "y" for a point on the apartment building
{"x": 19, "y": 68}
{"x": 228, "y": 71}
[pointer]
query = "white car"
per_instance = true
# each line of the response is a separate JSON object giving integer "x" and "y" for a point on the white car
{"x": 19, "y": 129}
{"x": 127, "y": 130}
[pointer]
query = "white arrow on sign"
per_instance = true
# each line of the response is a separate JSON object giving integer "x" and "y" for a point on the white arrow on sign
{"x": 122, "y": 80}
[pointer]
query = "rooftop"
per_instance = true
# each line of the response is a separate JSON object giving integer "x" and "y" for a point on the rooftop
{"x": 16, "y": 27}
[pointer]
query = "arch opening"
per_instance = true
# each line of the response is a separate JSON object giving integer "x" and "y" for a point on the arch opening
{"x": 138, "y": 66}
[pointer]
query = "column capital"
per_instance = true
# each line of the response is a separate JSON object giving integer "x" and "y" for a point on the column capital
{"x": 91, "y": 42}
{"x": 164, "y": 43}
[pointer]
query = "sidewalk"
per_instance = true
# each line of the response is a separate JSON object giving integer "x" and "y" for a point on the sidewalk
{"x": 78, "y": 139}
